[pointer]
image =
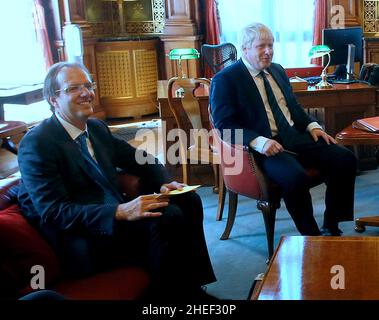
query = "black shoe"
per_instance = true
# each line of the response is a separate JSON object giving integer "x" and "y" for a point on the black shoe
{"x": 327, "y": 232}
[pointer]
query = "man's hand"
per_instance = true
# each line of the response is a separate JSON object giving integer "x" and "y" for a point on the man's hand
{"x": 272, "y": 147}
{"x": 316, "y": 133}
{"x": 141, "y": 207}
{"x": 172, "y": 186}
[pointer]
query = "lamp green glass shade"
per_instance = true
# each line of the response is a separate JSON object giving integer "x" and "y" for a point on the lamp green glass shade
{"x": 183, "y": 54}
{"x": 319, "y": 51}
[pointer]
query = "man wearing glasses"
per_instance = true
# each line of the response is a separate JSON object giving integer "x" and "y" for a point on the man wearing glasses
{"x": 69, "y": 190}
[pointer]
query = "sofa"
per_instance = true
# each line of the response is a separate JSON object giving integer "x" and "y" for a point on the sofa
{"x": 22, "y": 247}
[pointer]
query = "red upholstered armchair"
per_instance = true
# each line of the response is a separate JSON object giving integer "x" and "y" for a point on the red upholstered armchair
{"x": 242, "y": 175}
{"x": 22, "y": 247}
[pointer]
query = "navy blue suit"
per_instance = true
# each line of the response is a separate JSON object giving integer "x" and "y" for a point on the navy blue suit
{"x": 61, "y": 198}
{"x": 236, "y": 104}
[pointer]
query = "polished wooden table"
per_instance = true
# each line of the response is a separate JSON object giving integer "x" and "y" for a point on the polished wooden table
{"x": 19, "y": 95}
{"x": 301, "y": 269}
{"x": 339, "y": 106}
{"x": 351, "y": 136}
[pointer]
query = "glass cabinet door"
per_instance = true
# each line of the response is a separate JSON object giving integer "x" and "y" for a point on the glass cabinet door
{"x": 124, "y": 17}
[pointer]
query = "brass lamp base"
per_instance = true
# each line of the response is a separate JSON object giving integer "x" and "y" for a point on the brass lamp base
{"x": 323, "y": 84}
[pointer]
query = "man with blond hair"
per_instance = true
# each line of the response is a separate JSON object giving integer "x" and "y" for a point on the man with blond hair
{"x": 254, "y": 94}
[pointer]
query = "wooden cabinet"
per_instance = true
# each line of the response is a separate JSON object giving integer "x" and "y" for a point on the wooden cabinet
{"x": 371, "y": 50}
{"x": 371, "y": 31}
{"x": 127, "y": 77}
{"x": 125, "y": 70}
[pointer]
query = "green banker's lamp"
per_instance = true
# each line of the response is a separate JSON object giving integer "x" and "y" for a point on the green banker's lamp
{"x": 183, "y": 54}
{"x": 317, "y": 52}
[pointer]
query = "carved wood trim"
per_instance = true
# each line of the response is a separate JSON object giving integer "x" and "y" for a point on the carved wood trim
{"x": 352, "y": 8}
{"x": 180, "y": 17}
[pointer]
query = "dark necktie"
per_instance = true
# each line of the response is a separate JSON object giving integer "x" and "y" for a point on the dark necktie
{"x": 286, "y": 133}
{"x": 110, "y": 196}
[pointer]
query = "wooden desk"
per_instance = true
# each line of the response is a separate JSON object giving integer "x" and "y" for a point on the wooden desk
{"x": 355, "y": 137}
{"x": 20, "y": 95}
{"x": 334, "y": 108}
{"x": 301, "y": 269}
{"x": 339, "y": 106}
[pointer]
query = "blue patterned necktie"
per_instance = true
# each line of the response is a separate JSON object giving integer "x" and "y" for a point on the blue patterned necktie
{"x": 110, "y": 196}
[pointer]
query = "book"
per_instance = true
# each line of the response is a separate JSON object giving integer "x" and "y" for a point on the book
{"x": 367, "y": 124}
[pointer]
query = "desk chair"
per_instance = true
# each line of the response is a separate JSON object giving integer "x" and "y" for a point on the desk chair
{"x": 188, "y": 117}
{"x": 354, "y": 137}
{"x": 250, "y": 182}
{"x": 8, "y": 130}
{"x": 219, "y": 56}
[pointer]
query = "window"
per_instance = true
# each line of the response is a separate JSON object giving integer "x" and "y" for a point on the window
{"x": 290, "y": 21}
{"x": 21, "y": 58}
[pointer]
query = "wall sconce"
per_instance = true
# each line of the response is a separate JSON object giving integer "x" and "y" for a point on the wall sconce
{"x": 317, "y": 52}
{"x": 183, "y": 54}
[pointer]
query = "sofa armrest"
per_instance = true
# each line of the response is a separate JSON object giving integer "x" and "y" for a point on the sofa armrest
{"x": 8, "y": 191}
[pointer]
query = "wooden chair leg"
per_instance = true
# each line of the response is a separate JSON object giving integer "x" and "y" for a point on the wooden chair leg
{"x": 221, "y": 196}
{"x": 186, "y": 173}
{"x": 361, "y": 223}
{"x": 269, "y": 212}
{"x": 216, "y": 173}
{"x": 8, "y": 144}
{"x": 233, "y": 199}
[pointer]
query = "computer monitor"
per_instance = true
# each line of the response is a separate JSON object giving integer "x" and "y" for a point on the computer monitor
{"x": 339, "y": 40}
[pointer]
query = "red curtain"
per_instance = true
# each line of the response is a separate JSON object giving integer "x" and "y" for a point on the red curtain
{"x": 320, "y": 22}
{"x": 212, "y": 29}
{"x": 41, "y": 32}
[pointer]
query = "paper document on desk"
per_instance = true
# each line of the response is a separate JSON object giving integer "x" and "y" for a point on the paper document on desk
{"x": 177, "y": 192}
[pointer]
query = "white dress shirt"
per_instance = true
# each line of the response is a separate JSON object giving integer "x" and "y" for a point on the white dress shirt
{"x": 75, "y": 132}
{"x": 259, "y": 142}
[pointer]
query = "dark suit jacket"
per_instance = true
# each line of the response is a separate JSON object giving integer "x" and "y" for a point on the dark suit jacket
{"x": 58, "y": 193}
{"x": 237, "y": 104}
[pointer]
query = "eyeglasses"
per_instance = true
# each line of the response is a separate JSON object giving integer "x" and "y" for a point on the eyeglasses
{"x": 78, "y": 88}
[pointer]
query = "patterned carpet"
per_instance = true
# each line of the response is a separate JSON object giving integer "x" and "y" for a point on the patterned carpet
{"x": 238, "y": 260}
